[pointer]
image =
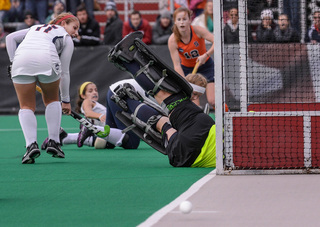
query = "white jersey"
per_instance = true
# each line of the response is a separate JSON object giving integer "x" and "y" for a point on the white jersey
{"x": 98, "y": 108}
{"x": 42, "y": 50}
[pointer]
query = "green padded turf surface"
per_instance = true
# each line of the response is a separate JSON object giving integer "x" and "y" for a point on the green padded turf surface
{"x": 89, "y": 187}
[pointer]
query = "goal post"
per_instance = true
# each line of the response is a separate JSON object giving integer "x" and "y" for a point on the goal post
{"x": 271, "y": 86}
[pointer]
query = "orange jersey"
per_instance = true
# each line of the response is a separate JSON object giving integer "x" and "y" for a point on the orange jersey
{"x": 189, "y": 53}
{"x": 201, "y": 5}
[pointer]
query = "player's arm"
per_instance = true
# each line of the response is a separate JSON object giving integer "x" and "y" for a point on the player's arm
{"x": 173, "y": 48}
{"x": 12, "y": 41}
{"x": 205, "y": 34}
{"x": 87, "y": 106}
{"x": 65, "y": 59}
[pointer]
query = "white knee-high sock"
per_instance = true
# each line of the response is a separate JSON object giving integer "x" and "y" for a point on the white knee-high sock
{"x": 70, "y": 139}
{"x": 115, "y": 137}
{"x": 28, "y": 124}
{"x": 73, "y": 137}
{"x": 89, "y": 141}
{"x": 53, "y": 118}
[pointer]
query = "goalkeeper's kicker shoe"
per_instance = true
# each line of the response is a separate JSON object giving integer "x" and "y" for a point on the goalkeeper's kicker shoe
{"x": 83, "y": 135}
{"x": 32, "y": 153}
{"x": 54, "y": 149}
{"x": 63, "y": 134}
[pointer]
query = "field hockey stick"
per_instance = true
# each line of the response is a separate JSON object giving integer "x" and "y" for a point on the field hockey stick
{"x": 85, "y": 122}
{"x": 195, "y": 69}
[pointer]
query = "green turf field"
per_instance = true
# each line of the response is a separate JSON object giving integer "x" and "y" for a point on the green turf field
{"x": 89, "y": 187}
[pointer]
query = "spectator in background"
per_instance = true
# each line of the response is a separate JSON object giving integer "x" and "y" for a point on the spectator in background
{"x": 197, "y": 7}
{"x": 284, "y": 33}
{"x": 39, "y": 9}
{"x": 205, "y": 20}
{"x": 227, "y": 5}
{"x": 3, "y": 36}
{"x": 113, "y": 29}
{"x": 255, "y": 7}
{"x": 162, "y": 29}
{"x": 29, "y": 21}
{"x": 292, "y": 9}
{"x": 96, "y": 5}
{"x": 89, "y": 31}
{"x": 137, "y": 23}
{"x": 58, "y": 7}
{"x": 5, "y": 5}
{"x": 164, "y": 5}
{"x": 15, "y": 14}
{"x": 313, "y": 34}
{"x": 72, "y": 6}
{"x": 231, "y": 29}
{"x": 265, "y": 29}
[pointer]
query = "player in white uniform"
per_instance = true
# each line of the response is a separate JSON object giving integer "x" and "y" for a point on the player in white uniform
{"x": 88, "y": 105}
{"x": 94, "y": 111}
{"x": 42, "y": 55}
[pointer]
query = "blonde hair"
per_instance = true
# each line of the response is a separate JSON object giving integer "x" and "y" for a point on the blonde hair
{"x": 175, "y": 30}
{"x": 197, "y": 79}
{"x": 69, "y": 17}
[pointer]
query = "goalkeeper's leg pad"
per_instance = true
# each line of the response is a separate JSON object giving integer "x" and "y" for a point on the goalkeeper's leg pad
{"x": 122, "y": 92}
{"x": 151, "y": 70}
{"x": 143, "y": 130}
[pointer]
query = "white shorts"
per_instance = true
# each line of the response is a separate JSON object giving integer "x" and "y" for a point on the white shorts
{"x": 21, "y": 79}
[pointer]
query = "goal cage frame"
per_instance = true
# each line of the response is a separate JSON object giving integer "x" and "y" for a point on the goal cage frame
{"x": 296, "y": 119}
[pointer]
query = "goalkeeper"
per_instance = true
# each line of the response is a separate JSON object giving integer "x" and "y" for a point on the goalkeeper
{"x": 187, "y": 133}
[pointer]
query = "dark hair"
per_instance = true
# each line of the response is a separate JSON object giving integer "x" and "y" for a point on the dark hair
{"x": 80, "y": 99}
{"x": 318, "y": 11}
{"x": 81, "y": 8}
{"x": 28, "y": 13}
{"x": 284, "y": 14}
{"x": 135, "y": 12}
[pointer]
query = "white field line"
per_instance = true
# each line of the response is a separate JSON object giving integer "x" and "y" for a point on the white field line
{"x": 154, "y": 218}
{"x": 39, "y": 129}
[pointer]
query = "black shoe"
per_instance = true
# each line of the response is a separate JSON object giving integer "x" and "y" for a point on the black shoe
{"x": 125, "y": 140}
{"x": 54, "y": 149}
{"x": 63, "y": 134}
{"x": 32, "y": 153}
{"x": 83, "y": 135}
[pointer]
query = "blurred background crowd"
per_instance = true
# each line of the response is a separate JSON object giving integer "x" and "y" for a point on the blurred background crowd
{"x": 106, "y": 22}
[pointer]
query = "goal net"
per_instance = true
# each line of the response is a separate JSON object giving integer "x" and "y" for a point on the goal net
{"x": 267, "y": 70}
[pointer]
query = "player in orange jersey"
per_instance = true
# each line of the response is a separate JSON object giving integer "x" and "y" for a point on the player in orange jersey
{"x": 187, "y": 47}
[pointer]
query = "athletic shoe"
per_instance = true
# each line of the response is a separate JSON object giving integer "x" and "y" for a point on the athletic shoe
{"x": 32, "y": 153}
{"x": 54, "y": 149}
{"x": 125, "y": 140}
{"x": 83, "y": 135}
{"x": 44, "y": 144}
{"x": 63, "y": 134}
